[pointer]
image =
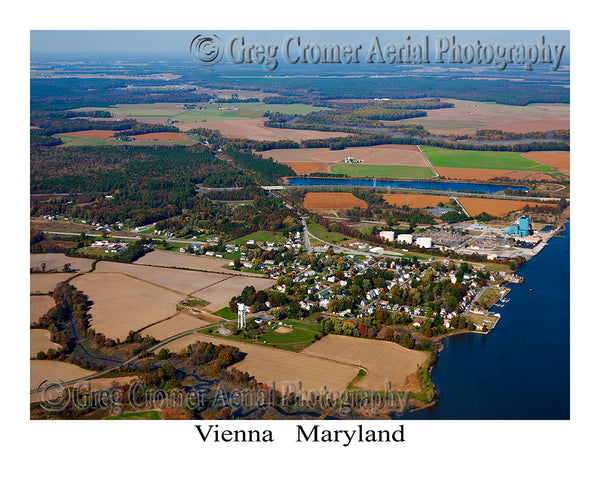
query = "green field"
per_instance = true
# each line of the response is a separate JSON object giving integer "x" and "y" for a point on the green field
{"x": 382, "y": 171}
{"x": 226, "y": 313}
{"x": 71, "y": 141}
{"x": 261, "y": 236}
{"x": 148, "y": 415}
{"x": 203, "y": 111}
{"x": 441, "y": 157}
{"x": 330, "y": 237}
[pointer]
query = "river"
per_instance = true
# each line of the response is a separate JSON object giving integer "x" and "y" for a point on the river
{"x": 401, "y": 184}
{"x": 520, "y": 370}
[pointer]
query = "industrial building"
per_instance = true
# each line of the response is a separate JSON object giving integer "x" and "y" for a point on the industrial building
{"x": 522, "y": 228}
{"x": 387, "y": 235}
{"x": 405, "y": 238}
{"x": 424, "y": 242}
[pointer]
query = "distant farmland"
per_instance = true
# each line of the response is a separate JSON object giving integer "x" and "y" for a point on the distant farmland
{"x": 496, "y": 207}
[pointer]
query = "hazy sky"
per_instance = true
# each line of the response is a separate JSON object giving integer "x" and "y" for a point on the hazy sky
{"x": 178, "y": 41}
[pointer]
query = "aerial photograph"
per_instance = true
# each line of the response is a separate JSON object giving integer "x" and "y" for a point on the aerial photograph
{"x": 299, "y": 225}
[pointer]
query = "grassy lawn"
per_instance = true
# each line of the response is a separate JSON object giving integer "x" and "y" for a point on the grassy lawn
{"x": 490, "y": 296}
{"x": 300, "y": 337}
{"x": 382, "y": 171}
{"x": 441, "y": 157}
{"x": 225, "y": 313}
{"x": 194, "y": 302}
{"x": 261, "y": 236}
{"x": 323, "y": 234}
{"x": 149, "y": 415}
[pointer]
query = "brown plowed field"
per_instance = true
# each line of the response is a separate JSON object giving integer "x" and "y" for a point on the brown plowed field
{"x": 56, "y": 261}
{"x": 54, "y": 371}
{"x": 182, "y": 322}
{"x": 122, "y": 303}
{"x": 102, "y": 134}
{"x": 472, "y": 173}
{"x": 415, "y": 200}
{"x": 162, "y": 136}
{"x": 39, "y": 341}
{"x": 302, "y": 168}
{"x": 332, "y": 201}
{"x": 470, "y": 116}
{"x": 38, "y": 306}
{"x": 254, "y": 129}
{"x": 46, "y": 282}
{"x": 184, "y": 260}
{"x": 406, "y": 155}
{"x": 182, "y": 281}
{"x": 559, "y": 160}
{"x": 384, "y": 361}
{"x": 498, "y": 208}
{"x": 268, "y": 365}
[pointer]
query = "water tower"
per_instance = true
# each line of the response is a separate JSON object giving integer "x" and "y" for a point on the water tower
{"x": 241, "y": 320}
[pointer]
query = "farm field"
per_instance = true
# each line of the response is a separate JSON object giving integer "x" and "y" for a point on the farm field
{"x": 559, "y": 160}
{"x": 415, "y": 200}
{"x": 56, "y": 262}
{"x": 332, "y": 201}
{"x": 183, "y": 260}
{"x": 178, "y": 280}
{"x": 46, "y": 282}
{"x": 254, "y": 129}
{"x": 470, "y": 116}
{"x": 382, "y": 171}
{"x": 384, "y": 361}
{"x": 220, "y": 294}
{"x": 441, "y": 157}
{"x": 202, "y": 112}
{"x": 474, "y": 173}
{"x": 161, "y": 136}
{"x": 70, "y": 141}
{"x": 268, "y": 364}
{"x": 54, "y": 371}
{"x": 98, "y": 134}
{"x": 493, "y": 206}
{"x": 182, "y": 322}
{"x": 38, "y": 306}
{"x": 39, "y": 341}
{"x": 323, "y": 159}
{"x": 59, "y": 226}
{"x": 121, "y": 303}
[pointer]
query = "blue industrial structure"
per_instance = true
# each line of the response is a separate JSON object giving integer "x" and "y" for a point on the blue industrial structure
{"x": 522, "y": 229}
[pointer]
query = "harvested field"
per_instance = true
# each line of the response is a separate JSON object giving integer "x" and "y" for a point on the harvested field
{"x": 182, "y": 322}
{"x": 39, "y": 341}
{"x": 384, "y": 361}
{"x": 102, "y": 134}
{"x": 305, "y": 168}
{"x": 220, "y": 294}
{"x": 496, "y": 207}
{"x": 162, "y": 136}
{"x": 59, "y": 226}
{"x": 56, "y": 262}
{"x": 46, "y": 282}
{"x": 54, "y": 371}
{"x": 122, "y": 303}
{"x": 254, "y": 129}
{"x": 38, "y": 306}
{"x": 332, "y": 201}
{"x": 268, "y": 365}
{"x": 402, "y": 155}
{"x": 415, "y": 200}
{"x": 559, "y": 160}
{"x": 470, "y": 116}
{"x": 181, "y": 281}
{"x": 184, "y": 260}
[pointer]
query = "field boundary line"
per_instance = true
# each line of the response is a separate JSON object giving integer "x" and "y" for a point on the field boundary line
{"x": 428, "y": 162}
{"x": 211, "y": 285}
